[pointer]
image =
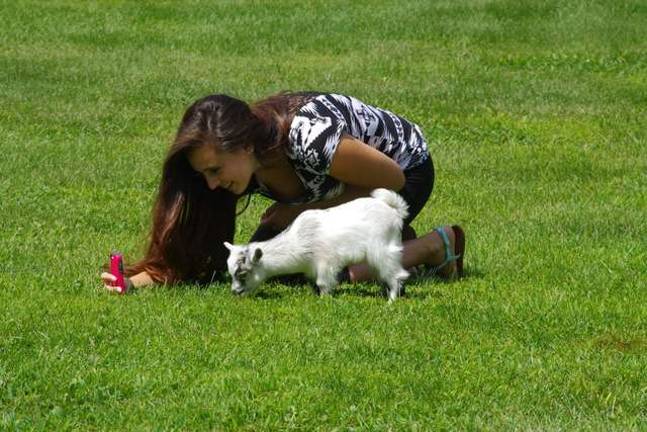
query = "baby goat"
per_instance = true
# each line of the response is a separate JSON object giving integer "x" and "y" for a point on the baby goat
{"x": 320, "y": 243}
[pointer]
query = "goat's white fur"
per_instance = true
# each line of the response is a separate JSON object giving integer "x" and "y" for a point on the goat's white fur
{"x": 320, "y": 243}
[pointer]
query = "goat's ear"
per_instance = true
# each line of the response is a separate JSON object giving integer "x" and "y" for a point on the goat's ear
{"x": 228, "y": 245}
{"x": 258, "y": 254}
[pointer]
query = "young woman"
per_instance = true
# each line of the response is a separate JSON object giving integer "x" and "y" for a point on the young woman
{"x": 304, "y": 150}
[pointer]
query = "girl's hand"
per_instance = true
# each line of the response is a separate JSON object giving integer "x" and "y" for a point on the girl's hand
{"x": 108, "y": 279}
{"x": 280, "y": 215}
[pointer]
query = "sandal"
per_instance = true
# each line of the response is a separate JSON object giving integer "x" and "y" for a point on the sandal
{"x": 458, "y": 253}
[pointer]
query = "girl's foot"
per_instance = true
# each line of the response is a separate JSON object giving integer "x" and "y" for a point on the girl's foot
{"x": 446, "y": 248}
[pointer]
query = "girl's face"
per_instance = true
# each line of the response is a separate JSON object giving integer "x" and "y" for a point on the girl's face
{"x": 231, "y": 170}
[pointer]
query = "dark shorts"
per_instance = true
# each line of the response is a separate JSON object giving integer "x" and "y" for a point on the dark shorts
{"x": 418, "y": 184}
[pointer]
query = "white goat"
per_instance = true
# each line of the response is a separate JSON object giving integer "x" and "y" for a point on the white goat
{"x": 320, "y": 243}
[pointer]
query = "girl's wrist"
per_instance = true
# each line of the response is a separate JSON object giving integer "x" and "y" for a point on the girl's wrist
{"x": 129, "y": 284}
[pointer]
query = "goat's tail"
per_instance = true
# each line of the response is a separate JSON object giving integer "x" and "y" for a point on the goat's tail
{"x": 393, "y": 200}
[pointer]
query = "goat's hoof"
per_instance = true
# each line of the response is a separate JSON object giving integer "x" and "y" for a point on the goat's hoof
{"x": 324, "y": 292}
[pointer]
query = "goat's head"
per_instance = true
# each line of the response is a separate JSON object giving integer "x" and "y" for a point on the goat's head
{"x": 243, "y": 266}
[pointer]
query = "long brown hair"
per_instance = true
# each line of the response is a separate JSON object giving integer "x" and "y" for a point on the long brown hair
{"x": 190, "y": 221}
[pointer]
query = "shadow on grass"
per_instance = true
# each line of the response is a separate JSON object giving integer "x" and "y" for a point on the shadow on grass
{"x": 416, "y": 288}
{"x": 268, "y": 295}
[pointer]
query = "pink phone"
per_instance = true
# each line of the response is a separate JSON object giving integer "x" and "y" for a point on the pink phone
{"x": 117, "y": 270}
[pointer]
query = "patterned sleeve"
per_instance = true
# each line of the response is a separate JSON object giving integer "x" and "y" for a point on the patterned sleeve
{"x": 314, "y": 137}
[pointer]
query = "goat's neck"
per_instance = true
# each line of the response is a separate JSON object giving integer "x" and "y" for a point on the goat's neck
{"x": 281, "y": 255}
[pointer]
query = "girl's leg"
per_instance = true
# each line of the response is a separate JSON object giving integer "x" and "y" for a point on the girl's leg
{"x": 408, "y": 233}
{"x": 428, "y": 249}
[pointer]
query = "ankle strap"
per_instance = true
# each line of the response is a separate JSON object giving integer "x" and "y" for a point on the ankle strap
{"x": 449, "y": 255}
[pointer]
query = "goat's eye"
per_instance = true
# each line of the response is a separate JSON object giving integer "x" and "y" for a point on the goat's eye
{"x": 240, "y": 273}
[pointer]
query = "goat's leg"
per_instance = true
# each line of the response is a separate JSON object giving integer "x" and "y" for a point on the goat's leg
{"x": 326, "y": 286}
{"x": 394, "y": 289}
{"x": 391, "y": 273}
{"x": 326, "y": 278}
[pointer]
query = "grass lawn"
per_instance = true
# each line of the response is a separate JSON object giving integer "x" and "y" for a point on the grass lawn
{"x": 536, "y": 115}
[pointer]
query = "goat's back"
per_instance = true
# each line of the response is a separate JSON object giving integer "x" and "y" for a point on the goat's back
{"x": 350, "y": 228}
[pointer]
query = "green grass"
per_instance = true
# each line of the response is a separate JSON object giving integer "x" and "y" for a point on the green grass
{"x": 536, "y": 117}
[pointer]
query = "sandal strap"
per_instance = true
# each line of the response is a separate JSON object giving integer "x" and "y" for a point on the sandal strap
{"x": 449, "y": 255}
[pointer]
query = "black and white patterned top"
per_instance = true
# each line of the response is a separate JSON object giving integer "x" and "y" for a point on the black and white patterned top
{"x": 317, "y": 128}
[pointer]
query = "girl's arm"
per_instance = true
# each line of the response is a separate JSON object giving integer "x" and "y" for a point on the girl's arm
{"x": 141, "y": 279}
{"x": 361, "y": 167}
{"x": 137, "y": 281}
